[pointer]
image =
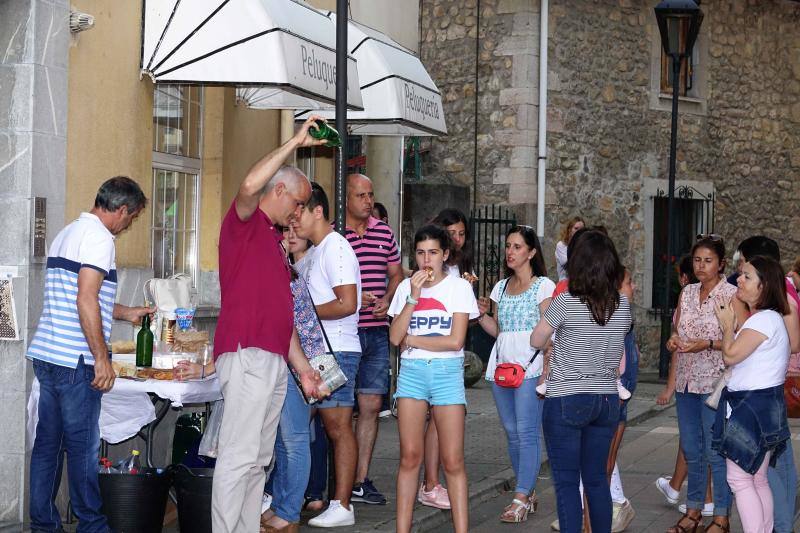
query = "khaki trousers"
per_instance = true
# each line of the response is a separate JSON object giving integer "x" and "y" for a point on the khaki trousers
{"x": 253, "y": 383}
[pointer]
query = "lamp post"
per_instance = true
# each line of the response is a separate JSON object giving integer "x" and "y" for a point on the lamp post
{"x": 679, "y": 24}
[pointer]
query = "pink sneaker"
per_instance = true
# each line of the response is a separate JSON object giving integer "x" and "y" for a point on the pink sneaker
{"x": 437, "y": 497}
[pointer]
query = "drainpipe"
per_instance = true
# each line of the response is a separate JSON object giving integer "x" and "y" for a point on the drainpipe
{"x": 542, "y": 161}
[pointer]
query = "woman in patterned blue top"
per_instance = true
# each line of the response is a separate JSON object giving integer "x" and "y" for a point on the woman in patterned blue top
{"x": 521, "y": 298}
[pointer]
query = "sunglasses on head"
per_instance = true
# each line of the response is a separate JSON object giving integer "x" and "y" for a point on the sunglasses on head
{"x": 710, "y": 236}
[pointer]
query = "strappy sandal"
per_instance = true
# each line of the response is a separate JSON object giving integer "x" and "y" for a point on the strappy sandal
{"x": 693, "y": 528}
{"x": 723, "y": 529}
{"x": 516, "y": 512}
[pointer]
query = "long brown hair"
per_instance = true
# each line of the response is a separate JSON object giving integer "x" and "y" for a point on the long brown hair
{"x": 568, "y": 227}
{"x": 595, "y": 274}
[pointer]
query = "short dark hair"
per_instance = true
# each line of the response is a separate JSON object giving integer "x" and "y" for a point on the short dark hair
{"x": 119, "y": 191}
{"x": 715, "y": 246}
{"x": 595, "y": 273}
{"x": 686, "y": 268}
{"x": 773, "y": 284}
{"x": 318, "y": 198}
{"x": 381, "y": 209}
{"x": 532, "y": 241}
{"x": 433, "y": 232}
{"x": 759, "y": 245}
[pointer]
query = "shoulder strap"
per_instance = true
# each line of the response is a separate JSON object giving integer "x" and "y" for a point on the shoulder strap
{"x": 533, "y": 358}
{"x": 319, "y": 320}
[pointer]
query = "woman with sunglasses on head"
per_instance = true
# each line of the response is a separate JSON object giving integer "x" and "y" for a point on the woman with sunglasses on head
{"x": 751, "y": 428}
{"x": 696, "y": 341}
{"x": 430, "y": 311}
{"x": 581, "y": 407}
{"x": 521, "y": 298}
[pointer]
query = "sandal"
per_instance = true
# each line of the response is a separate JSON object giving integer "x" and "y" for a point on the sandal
{"x": 516, "y": 512}
{"x": 722, "y": 528}
{"x": 678, "y": 528}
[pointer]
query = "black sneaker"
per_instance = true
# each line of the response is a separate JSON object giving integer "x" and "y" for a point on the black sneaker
{"x": 367, "y": 493}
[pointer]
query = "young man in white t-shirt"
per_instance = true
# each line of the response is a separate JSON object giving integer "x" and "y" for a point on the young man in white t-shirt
{"x": 334, "y": 280}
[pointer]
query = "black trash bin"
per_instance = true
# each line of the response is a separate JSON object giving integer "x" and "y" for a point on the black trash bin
{"x": 193, "y": 489}
{"x": 135, "y": 503}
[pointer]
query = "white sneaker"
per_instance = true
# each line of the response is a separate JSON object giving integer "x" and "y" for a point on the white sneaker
{"x": 708, "y": 509}
{"x": 672, "y": 495}
{"x": 334, "y": 516}
{"x": 266, "y": 502}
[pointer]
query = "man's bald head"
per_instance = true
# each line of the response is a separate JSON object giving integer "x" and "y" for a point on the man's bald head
{"x": 360, "y": 198}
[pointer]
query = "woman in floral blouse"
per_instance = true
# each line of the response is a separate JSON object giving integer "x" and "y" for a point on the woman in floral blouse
{"x": 696, "y": 340}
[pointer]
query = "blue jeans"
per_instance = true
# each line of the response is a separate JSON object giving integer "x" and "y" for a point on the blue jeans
{"x": 318, "y": 479}
{"x": 289, "y": 478}
{"x": 373, "y": 370}
{"x": 578, "y": 430}
{"x": 69, "y": 414}
{"x": 783, "y": 483}
{"x": 520, "y": 411}
{"x": 695, "y": 420}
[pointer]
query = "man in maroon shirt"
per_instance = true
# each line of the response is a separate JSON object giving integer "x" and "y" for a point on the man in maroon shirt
{"x": 254, "y": 329}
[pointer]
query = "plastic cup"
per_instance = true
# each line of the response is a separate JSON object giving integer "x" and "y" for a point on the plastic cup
{"x": 184, "y": 318}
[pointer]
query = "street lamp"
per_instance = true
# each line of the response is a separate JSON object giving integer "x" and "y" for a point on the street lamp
{"x": 678, "y": 23}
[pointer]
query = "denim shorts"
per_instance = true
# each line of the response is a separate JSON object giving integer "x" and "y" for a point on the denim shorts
{"x": 373, "y": 370}
{"x": 436, "y": 381}
{"x": 343, "y": 396}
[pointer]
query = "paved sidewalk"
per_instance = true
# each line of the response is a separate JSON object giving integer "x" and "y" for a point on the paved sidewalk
{"x": 487, "y": 463}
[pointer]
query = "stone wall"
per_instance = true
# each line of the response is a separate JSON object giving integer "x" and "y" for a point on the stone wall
{"x": 608, "y": 126}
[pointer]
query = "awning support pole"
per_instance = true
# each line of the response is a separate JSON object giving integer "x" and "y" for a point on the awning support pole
{"x": 341, "y": 112}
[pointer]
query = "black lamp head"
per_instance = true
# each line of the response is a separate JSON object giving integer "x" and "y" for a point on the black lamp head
{"x": 669, "y": 14}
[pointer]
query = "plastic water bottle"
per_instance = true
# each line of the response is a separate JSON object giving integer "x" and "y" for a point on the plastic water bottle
{"x": 132, "y": 465}
{"x": 106, "y": 468}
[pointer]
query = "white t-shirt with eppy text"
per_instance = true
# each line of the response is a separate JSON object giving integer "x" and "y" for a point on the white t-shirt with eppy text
{"x": 333, "y": 263}
{"x": 433, "y": 315}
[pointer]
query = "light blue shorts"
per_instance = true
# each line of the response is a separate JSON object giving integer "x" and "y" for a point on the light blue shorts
{"x": 436, "y": 381}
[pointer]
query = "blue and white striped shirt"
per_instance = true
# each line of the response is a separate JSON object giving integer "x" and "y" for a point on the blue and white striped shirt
{"x": 59, "y": 339}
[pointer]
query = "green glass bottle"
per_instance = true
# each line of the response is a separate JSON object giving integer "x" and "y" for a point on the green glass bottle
{"x": 144, "y": 344}
{"x": 326, "y": 132}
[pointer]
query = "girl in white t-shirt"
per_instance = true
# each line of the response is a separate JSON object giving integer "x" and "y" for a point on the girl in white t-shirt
{"x": 431, "y": 311}
{"x": 758, "y": 356}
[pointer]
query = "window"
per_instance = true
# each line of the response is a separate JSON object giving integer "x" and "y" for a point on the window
{"x": 686, "y": 71}
{"x": 177, "y": 152}
{"x": 356, "y": 159}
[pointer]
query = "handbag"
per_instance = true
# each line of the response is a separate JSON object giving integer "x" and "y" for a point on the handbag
{"x": 326, "y": 364}
{"x": 791, "y": 394}
{"x": 722, "y": 381}
{"x": 511, "y": 375}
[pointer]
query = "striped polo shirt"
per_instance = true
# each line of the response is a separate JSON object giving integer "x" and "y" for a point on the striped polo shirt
{"x": 59, "y": 339}
{"x": 375, "y": 251}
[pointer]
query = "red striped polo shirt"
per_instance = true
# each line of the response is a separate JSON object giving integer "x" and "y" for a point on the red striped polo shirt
{"x": 375, "y": 251}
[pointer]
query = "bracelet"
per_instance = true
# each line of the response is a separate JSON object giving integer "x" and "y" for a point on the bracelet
{"x": 412, "y": 301}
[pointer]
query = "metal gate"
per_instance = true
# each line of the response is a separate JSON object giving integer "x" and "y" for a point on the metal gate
{"x": 488, "y": 227}
{"x": 694, "y": 215}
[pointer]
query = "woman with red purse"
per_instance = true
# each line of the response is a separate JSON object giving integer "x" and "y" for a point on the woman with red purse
{"x": 513, "y": 366}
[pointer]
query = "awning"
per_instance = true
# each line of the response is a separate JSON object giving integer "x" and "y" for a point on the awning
{"x": 284, "y": 47}
{"x": 399, "y": 95}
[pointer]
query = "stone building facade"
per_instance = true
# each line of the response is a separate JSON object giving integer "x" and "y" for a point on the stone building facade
{"x": 609, "y": 120}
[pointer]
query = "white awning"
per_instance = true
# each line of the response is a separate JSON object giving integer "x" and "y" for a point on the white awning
{"x": 399, "y": 95}
{"x": 284, "y": 47}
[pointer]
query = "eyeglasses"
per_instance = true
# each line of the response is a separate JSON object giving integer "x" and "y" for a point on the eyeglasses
{"x": 710, "y": 236}
{"x": 524, "y": 226}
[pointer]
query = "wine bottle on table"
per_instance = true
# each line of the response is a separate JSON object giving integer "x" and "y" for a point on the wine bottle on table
{"x": 144, "y": 344}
